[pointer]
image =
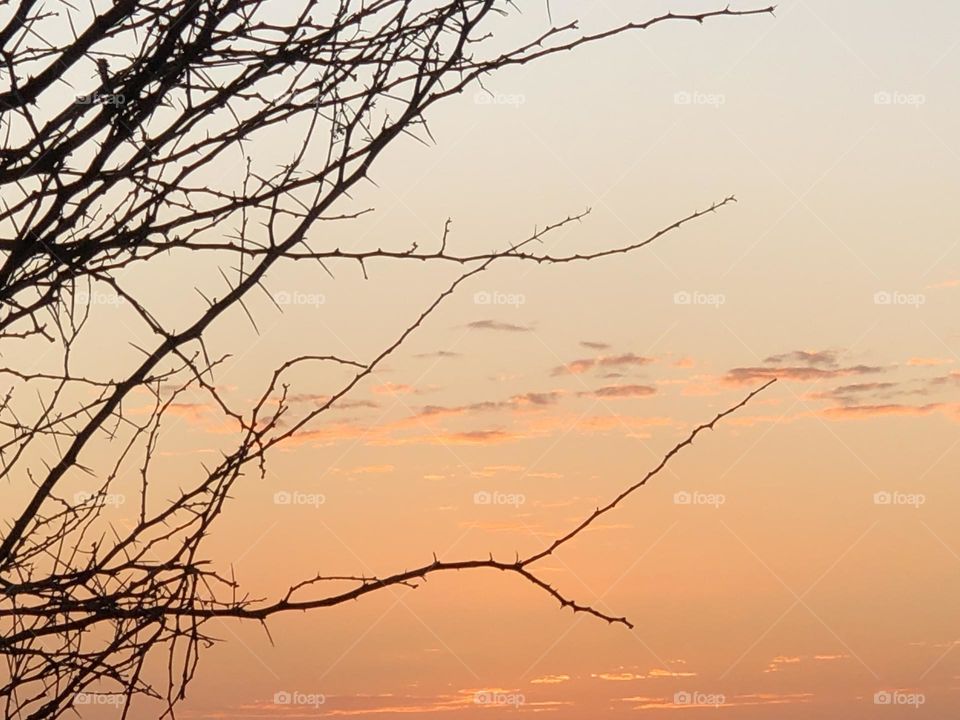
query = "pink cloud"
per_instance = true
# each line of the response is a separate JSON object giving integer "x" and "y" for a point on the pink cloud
{"x": 928, "y": 361}
{"x": 389, "y": 388}
{"x": 578, "y": 367}
{"x": 944, "y": 284}
{"x": 860, "y": 411}
{"x": 497, "y": 325}
{"x": 747, "y": 375}
{"x": 622, "y": 391}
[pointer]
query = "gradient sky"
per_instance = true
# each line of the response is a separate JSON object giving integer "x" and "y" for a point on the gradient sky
{"x": 826, "y": 567}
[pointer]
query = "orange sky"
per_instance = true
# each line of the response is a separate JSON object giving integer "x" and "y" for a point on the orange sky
{"x": 803, "y": 560}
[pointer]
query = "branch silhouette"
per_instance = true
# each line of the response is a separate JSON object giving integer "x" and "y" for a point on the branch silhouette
{"x": 132, "y": 137}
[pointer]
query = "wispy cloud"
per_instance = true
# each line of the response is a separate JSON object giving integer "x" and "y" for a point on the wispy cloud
{"x": 622, "y": 391}
{"x": 848, "y": 394}
{"x": 389, "y": 388}
{"x": 952, "y": 283}
{"x": 633, "y": 674}
{"x": 666, "y": 703}
{"x": 928, "y": 361}
{"x": 530, "y": 400}
{"x": 578, "y": 367}
{"x": 465, "y": 437}
{"x": 498, "y": 325}
{"x": 438, "y": 354}
{"x": 798, "y": 365}
{"x": 550, "y": 680}
{"x": 342, "y": 404}
{"x": 619, "y": 676}
{"x": 860, "y": 411}
{"x": 818, "y": 358}
{"x": 746, "y": 375}
{"x": 782, "y": 662}
{"x": 372, "y": 470}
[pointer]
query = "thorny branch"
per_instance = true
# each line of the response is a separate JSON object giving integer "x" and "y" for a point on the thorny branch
{"x": 128, "y": 133}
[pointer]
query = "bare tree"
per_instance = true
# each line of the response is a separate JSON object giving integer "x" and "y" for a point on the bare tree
{"x": 112, "y": 118}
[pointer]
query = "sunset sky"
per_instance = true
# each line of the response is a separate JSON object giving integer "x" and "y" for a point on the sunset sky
{"x": 802, "y": 560}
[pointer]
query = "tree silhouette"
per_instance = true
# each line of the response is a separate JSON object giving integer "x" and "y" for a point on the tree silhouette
{"x": 113, "y": 120}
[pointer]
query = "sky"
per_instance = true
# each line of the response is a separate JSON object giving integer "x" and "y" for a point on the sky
{"x": 802, "y": 559}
